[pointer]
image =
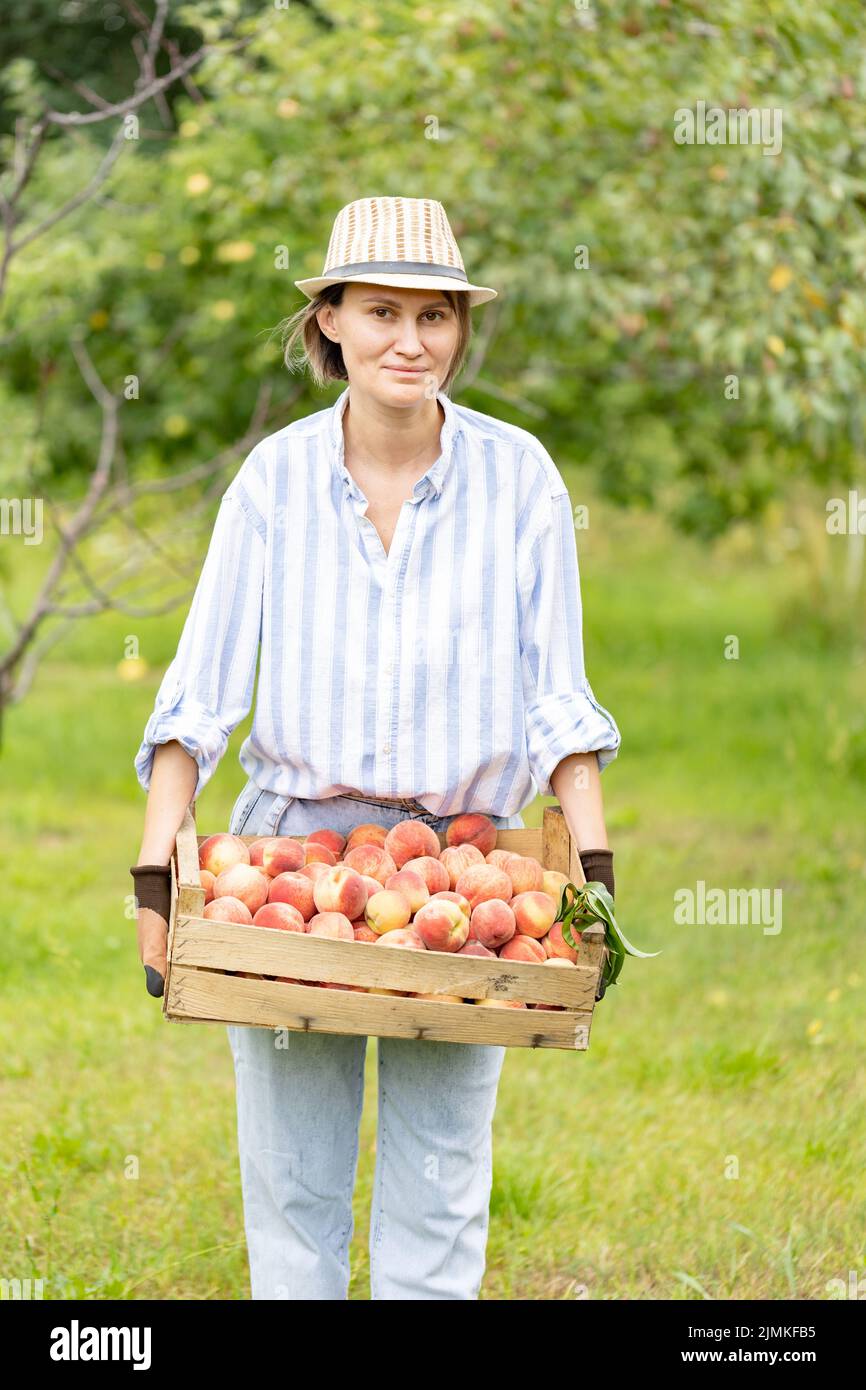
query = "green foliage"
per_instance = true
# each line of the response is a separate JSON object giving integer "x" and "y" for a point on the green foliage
{"x": 541, "y": 129}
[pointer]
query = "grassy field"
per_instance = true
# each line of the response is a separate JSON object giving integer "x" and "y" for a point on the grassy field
{"x": 708, "y": 1145}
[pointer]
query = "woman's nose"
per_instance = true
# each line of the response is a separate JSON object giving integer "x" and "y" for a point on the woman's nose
{"x": 408, "y": 339}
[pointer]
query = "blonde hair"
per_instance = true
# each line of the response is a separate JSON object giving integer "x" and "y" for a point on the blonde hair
{"x": 303, "y": 341}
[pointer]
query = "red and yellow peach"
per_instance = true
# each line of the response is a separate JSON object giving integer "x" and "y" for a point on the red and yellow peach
{"x": 245, "y": 882}
{"x": 281, "y": 855}
{"x": 219, "y": 852}
{"x": 228, "y": 910}
{"x": 281, "y": 916}
{"x": 473, "y": 828}
{"x": 387, "y": 911}
{"x": 441, "y": 925}
{"x": 482, "y": 883}
{"x": 341, "y": 889}
{"x": 534, "y": 913}
{"x": 493, "y": 923}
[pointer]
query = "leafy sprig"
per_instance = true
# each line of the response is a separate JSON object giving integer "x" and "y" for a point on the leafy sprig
{"x": 593, "y": 903}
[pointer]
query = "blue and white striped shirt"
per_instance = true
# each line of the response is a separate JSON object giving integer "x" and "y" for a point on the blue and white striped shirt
{"x": 449, "y": 669}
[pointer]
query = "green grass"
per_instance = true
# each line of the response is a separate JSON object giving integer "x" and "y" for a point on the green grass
{"x": 710, "y": 1142}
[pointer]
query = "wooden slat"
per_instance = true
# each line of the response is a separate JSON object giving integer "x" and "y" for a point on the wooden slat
{"x": 214, "y": 998}
{"x": 172, "y": 919}
{"x": 187, "y": 852}
{"x": 204, "y": 944}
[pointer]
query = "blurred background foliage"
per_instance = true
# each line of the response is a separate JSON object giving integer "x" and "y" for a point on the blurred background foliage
{"x": 542, "y": 129}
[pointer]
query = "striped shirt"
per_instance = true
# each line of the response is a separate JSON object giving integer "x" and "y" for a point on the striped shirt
{"x": 449, "y": 668}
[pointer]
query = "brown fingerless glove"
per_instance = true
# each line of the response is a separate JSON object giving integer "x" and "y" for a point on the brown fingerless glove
{"x": 597, "y": 864}
{"x": 153, "y": 890}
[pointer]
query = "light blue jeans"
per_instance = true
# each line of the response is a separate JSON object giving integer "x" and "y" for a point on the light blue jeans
{"x": 299, "y": 1101}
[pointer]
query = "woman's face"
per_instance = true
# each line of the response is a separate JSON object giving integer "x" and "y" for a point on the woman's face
{"x": 397, "y": 343}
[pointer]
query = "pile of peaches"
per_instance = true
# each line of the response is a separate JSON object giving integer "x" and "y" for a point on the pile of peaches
{"x": 394, "y": 888}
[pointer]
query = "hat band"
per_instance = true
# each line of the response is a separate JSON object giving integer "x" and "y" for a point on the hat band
{"x": 397, "y": 268}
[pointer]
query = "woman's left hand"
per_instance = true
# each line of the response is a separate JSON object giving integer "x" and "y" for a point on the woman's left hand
{"x": 597, "y": 865}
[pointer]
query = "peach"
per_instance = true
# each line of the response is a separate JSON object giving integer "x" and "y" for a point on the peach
{"x": 493, "y": 923}
{"x": 526, "y": 874}
{"x": 367, "y": 834}
{"x": 558, "y": 948}
{"x": 482, "y": 882}
{"x": 334, "y": 924}
{"x": 458, "y": 898}
{"x": 403, "y": 936}
{"x": 243, "y": 881}
{"x": 403, "y": 993}
{"x": 228, "y": 910}
{"x": 363, "y": 932}
{"x": 313, "y": 871}
{"x": 522, "y": 948}
{"x": 341, "y": 889}
{"x": 207, "y": 882}
{"x": 442, "y": 998}
{"x": 373, "y": 884}
{"x": 499, "y": 857}
{"x": 432, "y": 870}
{"x": 296, "y": 889}
{"x": 553, "y": 882}
{"x": 317, "y": 853}
{"x": 281, "y": 916}
{"x": 281, "y": 855}
{"x": 411, "y": 885}
{"x": 219, "y": 852}
{"x": 457, "y": 858}
{"x": 410, "y": 839}
{"x": 441, "y": 925}
{"x": 256, "y": 849}
{"x": 370, "y": 859}
{"x": 387, "y": 911}
{"x": 332, "y": 838}
{"x": 474, "y": 948}
{"x": 535, "y": 913}
{"x": 473, "y": 828}
{"x": 500, "y": 1003}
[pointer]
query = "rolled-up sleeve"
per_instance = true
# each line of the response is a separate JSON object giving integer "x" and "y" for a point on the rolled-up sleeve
{"x": 208, "y": 687}
{"x": 562, "y": 714}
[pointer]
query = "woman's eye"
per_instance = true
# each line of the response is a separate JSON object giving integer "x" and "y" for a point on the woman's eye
{"x": 437, "y": 313}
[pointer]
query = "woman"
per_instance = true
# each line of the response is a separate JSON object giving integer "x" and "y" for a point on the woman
{"x": 409, "y": 569}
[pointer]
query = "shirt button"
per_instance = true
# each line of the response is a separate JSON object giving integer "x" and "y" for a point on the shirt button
{"x": 387, "y": 748}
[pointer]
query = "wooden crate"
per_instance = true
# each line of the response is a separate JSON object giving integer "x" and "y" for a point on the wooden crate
{"x": 199, "y": 988}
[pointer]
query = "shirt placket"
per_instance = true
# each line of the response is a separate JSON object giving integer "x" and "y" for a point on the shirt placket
{"x": 395, "y": 565}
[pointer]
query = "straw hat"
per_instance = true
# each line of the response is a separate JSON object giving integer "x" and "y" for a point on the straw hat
{"x": 406, "y": 242}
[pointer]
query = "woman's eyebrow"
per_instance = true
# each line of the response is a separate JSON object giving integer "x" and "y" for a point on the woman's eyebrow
{"x": 395, "y": 303}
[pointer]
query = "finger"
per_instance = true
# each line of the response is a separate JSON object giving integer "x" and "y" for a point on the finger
{"x": 152, "y": 945}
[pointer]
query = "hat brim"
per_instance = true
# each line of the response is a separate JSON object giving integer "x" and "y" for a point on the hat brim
{"x": 478, "y": 294}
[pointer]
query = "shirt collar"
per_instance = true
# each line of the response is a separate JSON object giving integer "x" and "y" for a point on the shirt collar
{"x": 434, "y": 478}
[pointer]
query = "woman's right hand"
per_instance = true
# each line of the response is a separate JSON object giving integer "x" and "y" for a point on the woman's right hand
{"x": 153, "y": 900}
{"x": 171, "y": 791}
